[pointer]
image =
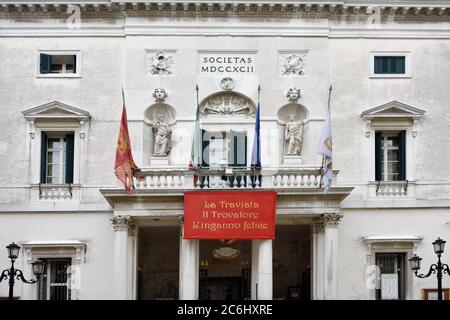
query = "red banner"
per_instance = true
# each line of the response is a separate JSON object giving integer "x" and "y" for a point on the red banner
{"x": 229, "y": 215}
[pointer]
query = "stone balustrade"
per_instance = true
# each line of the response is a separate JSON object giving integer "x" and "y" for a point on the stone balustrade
{"x": 55, "y": 192}
{"x": 230, "y": 178}
{"x": 392, "y": 188}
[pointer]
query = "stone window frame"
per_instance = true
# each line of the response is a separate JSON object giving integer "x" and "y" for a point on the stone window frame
{"x": 408, "y": 65}
{"x": 76, "y": 53}
{"x": 392, "y": 244}
{"x": 392, "y": 116}
{"x": 74, "y": 250}
{"x": 55, "y": 116}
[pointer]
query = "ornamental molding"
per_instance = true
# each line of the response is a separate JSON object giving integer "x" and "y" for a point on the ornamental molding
{"x": 56, "y": 110}
{"x": 122, "y": 223}
{"x": 399, "y": 7}
{"x": 393, "y": 109}
{"x": 330, "y": 220}
{"x": 55, "y": 249}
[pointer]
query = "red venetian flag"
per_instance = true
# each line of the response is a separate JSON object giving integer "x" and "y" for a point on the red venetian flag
{"x": 124, "y": 165}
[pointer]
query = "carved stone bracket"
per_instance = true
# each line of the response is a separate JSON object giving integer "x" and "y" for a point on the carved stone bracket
{"x": 122, "y": 223}
{"x": 330, "y": 220}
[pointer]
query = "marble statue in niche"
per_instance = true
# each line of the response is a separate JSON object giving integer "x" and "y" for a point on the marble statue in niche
{"x": 292, "y": 64}
{"x": 293, "y": 95}
{"x": 159, "y": 94}
{"x": 161, "y": 63}
{"x": 163, "y": 136}
{"x": 293, "y": 136}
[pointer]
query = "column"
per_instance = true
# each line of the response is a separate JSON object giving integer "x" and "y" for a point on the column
{"x": 318, "y": 257}
{"x": 121, "y": 226}
{"x": 262, "y": 280}
{"x": 132, "y": 262}
{"x": 254, "y": 271}
{"x": 330, "y": 223}
{"x": 189, "y": 267}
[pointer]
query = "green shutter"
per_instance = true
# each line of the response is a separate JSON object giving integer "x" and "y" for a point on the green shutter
{"x": 75, "y": 64}
{"x": 205, "y": 148}
{"x": 45, "y": 63}
{"x": 378, "y": 156}
{"x": 377, "y": 65}
{"x": 400, "y": 65}
{"x": 43, "y": 178}
{"x": 402, "y": 154}
{"x": 69, "y": 157}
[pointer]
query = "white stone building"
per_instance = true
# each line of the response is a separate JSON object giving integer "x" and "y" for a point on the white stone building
{"x": 63, "y": 66}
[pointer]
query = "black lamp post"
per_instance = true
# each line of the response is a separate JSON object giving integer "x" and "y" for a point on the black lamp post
{"x": 13, "y": 253}
{"x": 439, "y": 267}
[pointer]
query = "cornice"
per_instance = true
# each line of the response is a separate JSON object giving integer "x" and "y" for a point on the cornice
{"x": 401, "y": 8}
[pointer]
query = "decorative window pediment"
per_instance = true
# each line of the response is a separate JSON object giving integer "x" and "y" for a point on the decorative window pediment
{"x": 56, "y": 110}
{"x": 393, "y": 109}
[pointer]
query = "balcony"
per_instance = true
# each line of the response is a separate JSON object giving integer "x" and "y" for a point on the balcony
{"x": 392, "y": 189}
{"x": 55, "y": 191}
{"x": 230, "y": 178}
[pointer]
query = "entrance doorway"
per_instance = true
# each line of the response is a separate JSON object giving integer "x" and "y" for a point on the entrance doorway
{"x": 292, "y": 252}
{"x": 225, "y": 270}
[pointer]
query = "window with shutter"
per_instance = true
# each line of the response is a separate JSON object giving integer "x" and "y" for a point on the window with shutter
{"x": 389, "y": 65}
{"x": 57, "y": 157}
{"x": 390, "y": 156}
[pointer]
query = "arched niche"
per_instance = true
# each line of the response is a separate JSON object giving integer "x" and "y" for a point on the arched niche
{"x": 228, "y": 104}
{"x": 155, "y": 110}
{"x": 293, "y": 122}
{"x": 151, "y": 115}
{"x": 300, "y": 113}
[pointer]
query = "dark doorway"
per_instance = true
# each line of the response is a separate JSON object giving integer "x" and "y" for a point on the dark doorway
{"x": 228, "y": 288}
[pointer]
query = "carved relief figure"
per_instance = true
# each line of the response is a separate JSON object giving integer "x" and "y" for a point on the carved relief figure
{"x": 293, "y": 94}
{"x": 159, "y": 94}
{"x": 161, "y": 63}
{"x": 292, "y": 64}
{"x": 163, "y": 137}
{"x": 293, "y": 136}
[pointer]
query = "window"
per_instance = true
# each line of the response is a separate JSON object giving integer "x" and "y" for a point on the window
{"x": 59, "y": 64}
{"x": 222, "y": 149}
{"x": 53, "y": 284}
{"x": 57, "y": 155}
{"x": 391, "y": 285}
{"x": 389, "y": 65}
{"x": 390, "y": 156}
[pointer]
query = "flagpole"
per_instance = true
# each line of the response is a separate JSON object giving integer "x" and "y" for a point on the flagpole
{"x": 323, "y": 157}
{"x": 196, "y": 89}
{"x": 329, "y": 95}
{"x": 259, "y": 92}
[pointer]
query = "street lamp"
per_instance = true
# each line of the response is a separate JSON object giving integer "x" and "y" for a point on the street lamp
{"x": 13, "y": 253}
{"x": 439, "y": 267}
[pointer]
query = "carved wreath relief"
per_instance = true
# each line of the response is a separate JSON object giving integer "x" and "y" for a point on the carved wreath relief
{"x": 161, "y": 63}
{"x": 292, "y": 64}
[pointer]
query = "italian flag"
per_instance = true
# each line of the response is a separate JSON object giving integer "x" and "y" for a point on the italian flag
{"x": 196, "y": 150}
